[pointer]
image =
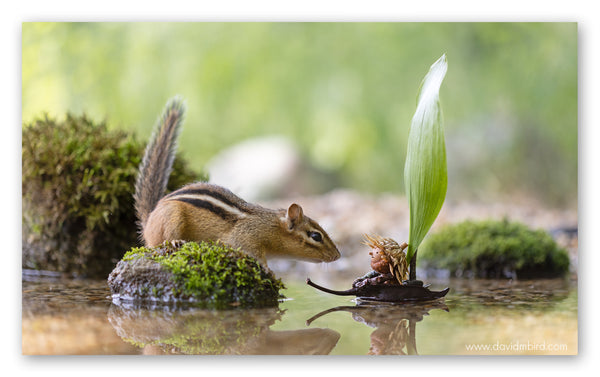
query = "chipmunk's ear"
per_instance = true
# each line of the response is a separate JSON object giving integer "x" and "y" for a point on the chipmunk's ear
{"x": 294, "y": 215}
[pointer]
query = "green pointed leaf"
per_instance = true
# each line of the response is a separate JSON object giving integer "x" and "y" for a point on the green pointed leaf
{"x": 425, "y": 172}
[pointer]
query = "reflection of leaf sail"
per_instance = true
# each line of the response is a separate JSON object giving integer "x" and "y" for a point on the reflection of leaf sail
{"x": 425, "y": 174}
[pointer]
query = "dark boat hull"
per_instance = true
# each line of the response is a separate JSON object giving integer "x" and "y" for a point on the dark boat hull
{"x": 387, "y": 292}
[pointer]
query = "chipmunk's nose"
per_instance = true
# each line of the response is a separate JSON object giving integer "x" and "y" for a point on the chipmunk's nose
{"x": 335, "y": 256}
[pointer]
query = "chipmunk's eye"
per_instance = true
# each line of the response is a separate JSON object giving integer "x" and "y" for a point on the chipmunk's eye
{"x": 316, "y": 236}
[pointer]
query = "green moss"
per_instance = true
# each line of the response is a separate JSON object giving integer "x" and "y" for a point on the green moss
{"x": 494, "y": 249}
{"x": 209, "y": 273}
{"x": 77, "y": 183}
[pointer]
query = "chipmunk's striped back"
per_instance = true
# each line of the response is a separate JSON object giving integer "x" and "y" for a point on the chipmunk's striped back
{"x": 212, "y": 198}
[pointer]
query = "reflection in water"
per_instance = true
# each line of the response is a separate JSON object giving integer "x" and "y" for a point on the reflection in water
{"x": 395, "y": 324}
{"x": 212, "y": 332}
{"x": 75, "y": 316}
{"x": 68, "y": 317}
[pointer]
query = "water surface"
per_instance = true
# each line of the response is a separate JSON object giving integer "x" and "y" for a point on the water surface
{"x": 61, "y": 316}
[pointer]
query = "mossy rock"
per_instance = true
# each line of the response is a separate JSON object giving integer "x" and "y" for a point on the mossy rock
{"x": 209, "y": 274}
{"x": 77, "y": 182}
{"x": 494, "y": 249}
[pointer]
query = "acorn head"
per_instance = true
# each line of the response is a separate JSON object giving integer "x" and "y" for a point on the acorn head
{"x": 387, "y": 256}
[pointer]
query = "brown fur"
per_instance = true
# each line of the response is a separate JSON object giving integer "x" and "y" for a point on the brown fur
{"x": 259, "y": 231}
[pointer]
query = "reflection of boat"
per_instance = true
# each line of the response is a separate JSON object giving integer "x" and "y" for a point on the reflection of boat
{"x": 395, "y": 324}
{"x": 210, "y": 332}
{"x": 372, "y": 314}
{"x": 387, "y": 292}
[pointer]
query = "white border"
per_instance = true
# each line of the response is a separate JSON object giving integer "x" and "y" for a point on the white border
{"x": 583, "y": 12}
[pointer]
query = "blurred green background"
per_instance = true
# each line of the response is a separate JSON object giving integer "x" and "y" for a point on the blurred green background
{"x": 345, "y": 92}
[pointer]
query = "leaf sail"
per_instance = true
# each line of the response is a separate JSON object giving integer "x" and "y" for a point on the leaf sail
{"x": 425, "y": 171}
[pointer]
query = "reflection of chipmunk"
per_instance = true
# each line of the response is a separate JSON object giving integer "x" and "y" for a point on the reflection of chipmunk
{"x": 203, "y": 211}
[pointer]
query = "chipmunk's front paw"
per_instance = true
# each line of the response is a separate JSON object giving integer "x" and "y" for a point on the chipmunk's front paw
{"x": 177, "y": 243}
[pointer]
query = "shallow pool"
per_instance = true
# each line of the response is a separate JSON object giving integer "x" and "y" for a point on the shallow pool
{"x": 61, "y": 316}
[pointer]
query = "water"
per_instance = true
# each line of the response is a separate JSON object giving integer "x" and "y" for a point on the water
{"x": 476, "y": 317}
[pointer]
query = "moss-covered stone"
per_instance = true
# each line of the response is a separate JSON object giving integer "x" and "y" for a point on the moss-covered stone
{"x": 494, "y": 249}
{"x": 208, "y": 274}
{"x": 77, "y": 183}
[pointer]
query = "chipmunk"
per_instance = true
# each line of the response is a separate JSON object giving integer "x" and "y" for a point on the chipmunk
{"x": 204, "y": 212}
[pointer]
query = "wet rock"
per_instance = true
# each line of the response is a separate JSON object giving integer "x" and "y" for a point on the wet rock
{"x": 209, "y": 275}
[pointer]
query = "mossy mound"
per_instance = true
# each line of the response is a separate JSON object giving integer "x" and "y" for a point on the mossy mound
{"x": 208, "y": 274}
{"x": 78, "y": 180}
{"x": 494, "y": 249}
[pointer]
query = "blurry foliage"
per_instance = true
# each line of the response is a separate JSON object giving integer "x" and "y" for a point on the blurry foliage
{"x": 77, "y": 186}
{"x": 494, "y": 249}
{"x": 343, "y": 91}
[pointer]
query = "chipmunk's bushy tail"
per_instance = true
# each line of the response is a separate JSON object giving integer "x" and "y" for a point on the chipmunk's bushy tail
{"x": 155, "y": 169}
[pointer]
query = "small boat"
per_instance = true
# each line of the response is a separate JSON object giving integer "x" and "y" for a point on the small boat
{"x": 387, "y": 292}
